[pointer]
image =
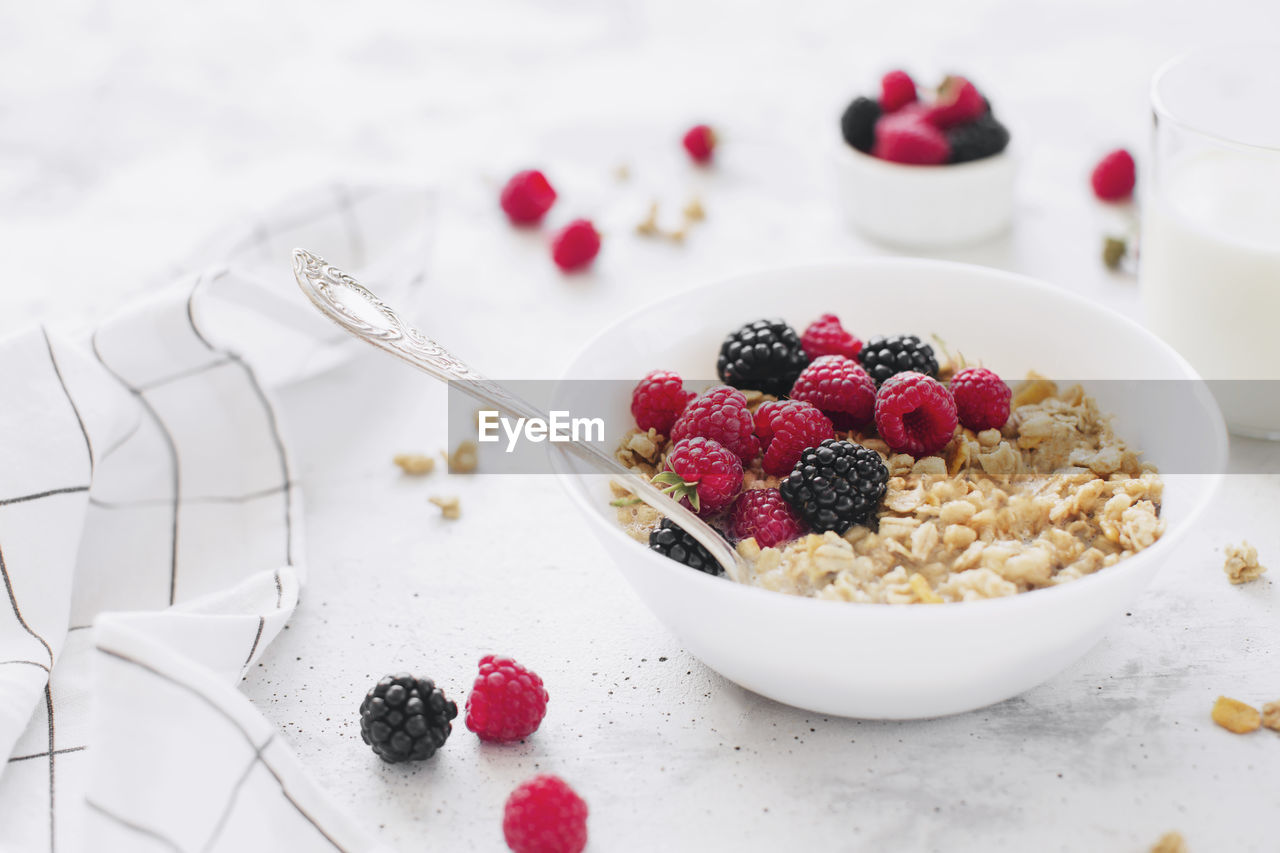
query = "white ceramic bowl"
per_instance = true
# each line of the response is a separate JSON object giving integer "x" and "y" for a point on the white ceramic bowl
{"x": 926, "y": 207}
{"x": 894, "y": 661}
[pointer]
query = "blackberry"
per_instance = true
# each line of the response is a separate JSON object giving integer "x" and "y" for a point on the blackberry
{"x": 982, "y": 137}
{"x": 762, "y": 356}
{"x": 883, "y": 356}
{"x": 673, "y": 542}
{"x": 836, "y": 485}
{"x": 405, "y": 718}
{"x": 858, "y": 124}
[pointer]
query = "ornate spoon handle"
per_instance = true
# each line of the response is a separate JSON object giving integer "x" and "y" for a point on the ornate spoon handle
{"x": 353, "y": 307}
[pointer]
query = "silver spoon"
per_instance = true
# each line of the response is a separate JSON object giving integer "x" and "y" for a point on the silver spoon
{"x": 346, "y": 302}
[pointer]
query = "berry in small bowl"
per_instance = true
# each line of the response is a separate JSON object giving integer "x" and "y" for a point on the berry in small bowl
{"x": 925, "y": 171}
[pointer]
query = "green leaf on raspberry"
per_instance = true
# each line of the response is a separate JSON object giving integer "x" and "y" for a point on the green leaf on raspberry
{"x": 677, "y": 487}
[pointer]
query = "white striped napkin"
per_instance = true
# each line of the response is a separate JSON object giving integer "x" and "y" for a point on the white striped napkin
{"x": 151, "y": 545}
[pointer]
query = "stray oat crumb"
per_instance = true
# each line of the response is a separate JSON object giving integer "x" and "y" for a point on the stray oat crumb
{"x": 1242, "y": 563}
{"x": 1235, "y": 716}
{"x": 463, "y": 460}
{"x": 1170, "y": 842}
{"x": 622, "y": 173}
{"x": 694, "y": 211}
{"x": 1271, "y": 715}
{"x": 449, "y": 506}
{"x": 1114, "y": 250}
{"x": 648, "y": 227}
{"x": 415, "y": 464}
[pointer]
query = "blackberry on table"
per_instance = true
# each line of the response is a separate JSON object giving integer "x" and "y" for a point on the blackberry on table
{"x": 982, "y": 137}
{"x": 836, "y": 485}
{"x": 883, "y": 356}
{"x": 406, "y": 718}
{"x": 762, "y": 356}
{"x": 858, "y": 124}
{"x": 674, "y": 543}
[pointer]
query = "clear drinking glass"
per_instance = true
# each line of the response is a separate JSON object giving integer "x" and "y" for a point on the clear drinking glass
{"x": 1210, "y": 249}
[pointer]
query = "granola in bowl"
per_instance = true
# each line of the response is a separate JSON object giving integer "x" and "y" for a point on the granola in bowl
{"x": 976, "y": 494}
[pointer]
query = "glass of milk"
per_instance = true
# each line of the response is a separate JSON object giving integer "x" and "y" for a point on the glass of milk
{"x": 1210, "y": 249}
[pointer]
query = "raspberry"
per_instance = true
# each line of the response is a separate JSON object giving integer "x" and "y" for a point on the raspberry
{"x": 700, "y": 142}
{"x": 762, "y": 514}
{"x": 910, "y": 139}
{"x": 674, "y": 543}
{"x": 575, "y": 245}
{"x": 527, "y": 196}
{"x": 836, "y": 485}
{"x": 915, "y": 414}
{"x": 720, "y": 414}
{"x": 840, "y": 388}
{"x": 897, "y": 89}
{"x": 858, "y": 124}
{"x": 405, "y": 718}
{"x": 786, "y": 429}
{"x": 982, "y": 398}
{"x": 1114, "y": 176}
{"x": 958, "y": 102}
{"x": 545, "y": 815}
{"x": 825, "y": 336}
{"x": 658, "y": 400}
{"x": 764, "y": 356}
{"x": 982, "y": 137}
{"x": 702, "y": 474}
{"x": 507, "y": 701}
{"x": 884, "y": 356}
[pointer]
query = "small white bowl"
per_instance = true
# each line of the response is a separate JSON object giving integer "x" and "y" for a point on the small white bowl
{"x": 926, "y": 207}
{"x": 886, "y": 661}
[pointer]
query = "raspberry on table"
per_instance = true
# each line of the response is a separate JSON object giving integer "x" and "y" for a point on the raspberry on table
{"x": 673, "y": 542}
{"x": 915, "y": 414}
{"x": 700, "y": 142}
{"x": 836, "y": 485}
{"x": 765, "y": 355}
{"x": 762, "y": 514}
{"x": 576, "y": 245}
{"x": 840, "y": 388}
{"x": 720, "y": 414}
{"x": 910, "y": 139}
{"x": 702, "y": 474}
{"x": 983, "y": 137}
{"x": 658, "y": 399}
{"x": 405, "y": 718}
{"x": 958, "y": 102}
{"x": 897, "y": 89}
{"x": 527, "y": 197}
{"x": 982, "y": 398}
{"x": 545, "y": 815}
{"x": 825, "y": 336}
{"x": 1114, "y": 177}
{"x": 883, "y": 356}
{"x": 786, "y": 429}
{"x": 507, "y": 701}
{"x": 858, "y": 123}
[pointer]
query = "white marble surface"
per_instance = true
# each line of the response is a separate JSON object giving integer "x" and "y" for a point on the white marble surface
{"x": 131, "y": 129}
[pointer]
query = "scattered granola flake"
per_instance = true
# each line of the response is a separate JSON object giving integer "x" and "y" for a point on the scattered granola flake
{"x": 1271, "y": 715}
{"x": 622, "y": 173}
{"x": 1114, "y": 250}
{"x": 415, "y": 464}
{"x": 449, "y": 506}
{"x": 1242, "y": 563}
{"x": 694, "y": 211}
{"x": 1235, "y": 716}
{"x": 1170, "y": 842}
{"x": 648, "y": 227}
{"x": 463, "y": 460}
